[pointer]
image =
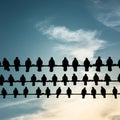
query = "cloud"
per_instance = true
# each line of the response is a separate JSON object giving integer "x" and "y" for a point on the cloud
{"x": 76, "y": 43}
{"x": 108, "y": 13}
{"x": 66, "y": 109}
{"x": 11, "y": 104}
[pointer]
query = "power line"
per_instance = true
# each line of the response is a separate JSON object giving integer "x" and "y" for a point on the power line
{"x": 92, "y": 65}
{"x": 60, "y": 94}
{"x": 49, "y": 81}
{"x": 65, "y": 65}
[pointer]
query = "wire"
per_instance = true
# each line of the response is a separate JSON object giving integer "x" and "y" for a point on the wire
{"x": 50, "y": 81}
{"x": 33, "y": 65}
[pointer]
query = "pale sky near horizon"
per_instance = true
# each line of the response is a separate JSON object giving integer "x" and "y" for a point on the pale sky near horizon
{"x": 58, "y": 28}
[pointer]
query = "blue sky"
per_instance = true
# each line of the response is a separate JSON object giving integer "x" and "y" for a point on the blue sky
{"x": 58, "y": 28}
{"x": 19, "y": 18}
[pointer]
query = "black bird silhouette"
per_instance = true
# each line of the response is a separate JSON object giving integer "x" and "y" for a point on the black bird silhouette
{"x": 4, "y": 93}
{"x": 75, "y": 64}
{"x": 51, "y": 64}
{"x": 107, "y": 79}
{"x": 2, "y": 79}
{"x": 11, "y": 80}
{"x": 109, "y": 63}
{"x": 28, "y": 64}
{"x": 25, "y": 92}
{"x": 69, "y": 92}
{"x": 38, "y": 92}
{"x": 39, "y": 64}
{"x": 74, "y": 79}
{"x": 33, "y": 79}
{"x": 47, "y": 92}
{"x": 65, "y": 79}
{"x": 6, "y": 64}
{"x": 83, "y": 92}
{"x": 93, "y": 92}
{"x": 17, "y": 63}
{"x": 54, "y": 80}
{"x": 118, "y": 78}
{"x": 15, "y": 92}
{"x": 103, "y": 92}
{"x": 44, "y": 79}
{"x": 58, "y": 92}
{"x": 85, "y": 79}
{"x": 98, "y": 64}
{"x": 86, "y": 64}
{"x": 115, "y": 91}
{"x": 118, "y": 63}
{"x": 96, "y": 79}
{"x": 22, "y": 80}
{"x": 65, "y": 63}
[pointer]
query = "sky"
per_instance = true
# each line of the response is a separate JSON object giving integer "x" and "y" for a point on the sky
{"x": 59, "y": 28}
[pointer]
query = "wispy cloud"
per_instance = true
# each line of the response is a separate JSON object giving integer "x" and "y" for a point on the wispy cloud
{"x": 108, "y": 13}
{"x": 11, "y": 104}
{"x": 66, "y": 109}
{"x": 77, "y": 43}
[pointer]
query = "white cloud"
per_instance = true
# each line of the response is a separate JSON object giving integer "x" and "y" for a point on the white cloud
{"x": 110, "y": 19}
{"x": 78, "y": 43}
{"x": 66, "y": 109}
{"x": 108, "y": 13}
{"x": 21, "y": 102}
{"x": 64, "y": 34}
